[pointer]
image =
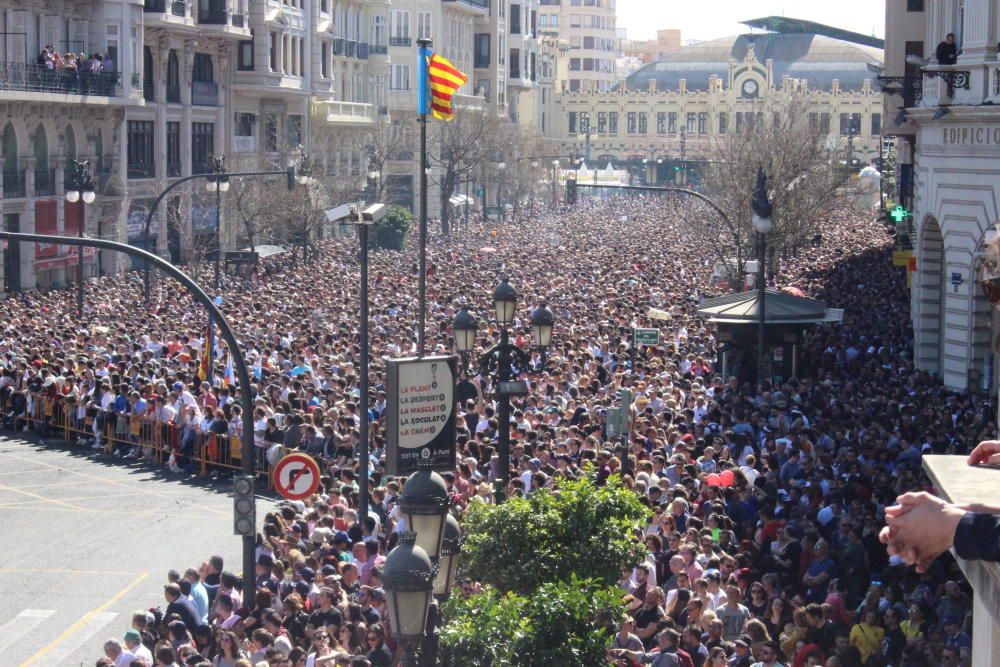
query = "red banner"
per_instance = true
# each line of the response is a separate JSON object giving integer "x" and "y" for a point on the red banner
{"x": 45, "y": 223}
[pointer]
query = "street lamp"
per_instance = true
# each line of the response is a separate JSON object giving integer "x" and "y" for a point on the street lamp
{"x": 555, "y": 178}
{"x": 408, "y": 579}
{"x": 413, "y": 570}
{"x": 304, "y": 176}
{"x": 81, "y": 187}
{"x": 503, "y": 363}
{"x": 218, "y": 182}
{"x": 534, "y": 164}
{"x": 500, "y": 170}
{"x": 762, "y": 223}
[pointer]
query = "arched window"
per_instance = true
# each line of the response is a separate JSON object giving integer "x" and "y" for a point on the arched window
{"x": 69, "y": 141}
{"x": 173, "y": 78}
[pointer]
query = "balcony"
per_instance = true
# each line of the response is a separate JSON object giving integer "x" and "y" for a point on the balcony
{"x": 213, "y": 16}
{"x": 477, "y": 5}
{"x": 378, "y": 50}
{"x": 351, "y": 48}
{"x": 336, "y": 112}
{"x": 204, "y": 94}
{"x": 239, "y": 20}
{"x": 155, "y": 6}
{"x": 338, "y": 46}
{"x": 13, "y": 183}
{"x": 481, "y": 61}
{"x": 399, "y": 41}
{"x": 178, "y": 8}
{"x": 362, "y": 50}
{"x": 45, "y": 182}
{"x": 33, "y": 78}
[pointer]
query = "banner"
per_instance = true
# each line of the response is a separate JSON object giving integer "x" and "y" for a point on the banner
{"x": 420, "y": 411}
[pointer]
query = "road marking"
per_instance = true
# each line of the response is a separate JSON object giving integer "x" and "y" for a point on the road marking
{"x": 28, "y": 570}
{"x": 4, "y": 487}
{"x": 94, "y": 616}
{"x": 112, "y": 482}
{"x": 82, "y": 634}
{"x": 20, "y": 625}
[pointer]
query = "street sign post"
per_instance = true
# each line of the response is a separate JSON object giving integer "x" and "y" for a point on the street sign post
{"x": 647, "y": 336}
{"x": 296, "y": 476}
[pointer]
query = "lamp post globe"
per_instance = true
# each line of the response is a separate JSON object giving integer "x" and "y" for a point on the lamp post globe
{"x": 505, "y": 302}
{"x": 408, "y": 579}
{"x": 542, "y": 321}
{"x": 89, "y": 196}
{"x": 451, "y": 547}
{"x": 423, "y": 502}
{"x": 72, "y": 196}
{"x": 466, "y": 328}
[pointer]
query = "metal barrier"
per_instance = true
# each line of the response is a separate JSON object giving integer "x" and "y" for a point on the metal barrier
{"x": 152, "y": 440}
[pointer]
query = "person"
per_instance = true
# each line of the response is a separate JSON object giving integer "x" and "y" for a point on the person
{"x": 180, "y": 605}
{"x": 946, "y": 52}
{"x": 667, "y": 641}
{"x": 115, "y": 651}
{"x": 894, "y": 642}
{"x": 770, "y": 656}
{"x": 920, "y": 527}
{"x": 867, "y": 635}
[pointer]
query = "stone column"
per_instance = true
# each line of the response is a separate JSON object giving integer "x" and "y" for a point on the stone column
{"x": 978, "y": 34}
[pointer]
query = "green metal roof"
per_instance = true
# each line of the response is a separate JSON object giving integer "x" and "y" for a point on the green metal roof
{"x": 785, "y": 25}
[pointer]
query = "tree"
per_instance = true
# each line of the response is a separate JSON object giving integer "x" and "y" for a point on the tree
{"x": 390, "y": 231}
{"x": 550, "y": 564}
{"x": 804, "y": 184}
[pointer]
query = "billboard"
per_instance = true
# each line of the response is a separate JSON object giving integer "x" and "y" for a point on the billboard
{"x": 420, "y": 412}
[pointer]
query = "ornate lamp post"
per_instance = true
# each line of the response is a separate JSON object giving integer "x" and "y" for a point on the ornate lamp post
{"x": 542, "y": 323}
{"x": 304, "y": 177}
{"x": 534, "y": 164}
{"x": 81, "y": 187}
{"x": 555, "y": 180}
{"x": 218, "y": 182}
{"x": 501, "y": 166}
{"x": 762, "y": 223}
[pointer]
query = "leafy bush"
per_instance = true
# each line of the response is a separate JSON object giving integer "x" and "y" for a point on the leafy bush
{"x": 583, "y": 531}
{"x": 389, "y": 233}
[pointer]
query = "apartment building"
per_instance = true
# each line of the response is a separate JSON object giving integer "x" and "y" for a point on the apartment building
{"x": 182, "y": 81}
{"x": 947, "y": 125}
{"x": 589, "y": 26}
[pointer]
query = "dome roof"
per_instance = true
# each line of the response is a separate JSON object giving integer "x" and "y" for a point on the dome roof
{"x": 814, "y": 58}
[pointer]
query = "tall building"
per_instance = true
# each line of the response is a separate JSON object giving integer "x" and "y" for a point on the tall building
{"x": 947, "y": 125}
{"x": 675, "y": 111}
{"x": 183, "y": 81}
{"x": 589, "y": 26}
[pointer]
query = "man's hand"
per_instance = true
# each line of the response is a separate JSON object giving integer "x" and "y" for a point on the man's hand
{"x": 987, "y": 451}
{"x": 919, "y": 528}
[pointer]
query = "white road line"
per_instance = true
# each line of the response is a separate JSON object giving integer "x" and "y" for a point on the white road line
{"x": 72, "y": 643}
{"x": 20, "y": 625}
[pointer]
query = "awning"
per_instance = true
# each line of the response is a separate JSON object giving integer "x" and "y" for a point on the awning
{"x": 264, "y": 251}
{"x": 779, "y": 308}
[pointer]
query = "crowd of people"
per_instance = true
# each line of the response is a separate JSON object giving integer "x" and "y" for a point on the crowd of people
{"x": 71, "y": 72}
{"x": 782, "y": 564}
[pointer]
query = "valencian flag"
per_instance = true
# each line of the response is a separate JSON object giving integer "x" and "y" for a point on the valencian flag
{"x": 438, "y": 81}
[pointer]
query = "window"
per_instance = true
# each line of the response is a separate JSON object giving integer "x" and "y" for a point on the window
{"x": 813, "y": 122}
{"x": 399, "y": 78}
{"x": 612, "y": 122}
{"x": 876, "y": 124}
{"x": 325, "y": 53}
{"x": 400, "y": 26}
{"x": 588, "y": 64}
{"x": 702, "y": 123}
{"x": 140, "y": 149}
{"x": 574, "y": 64}
{"x": 293, "y": 126}
{"x": 482, "y": 50}
{"x": 272, "y": 63}
{"x": 244, "y": 55}
{"x": 672, "y": 122}
{"x": 584, "y": 122}
{"x": 723, "y": 122}
{"x": 850, "y": 124}
{"x": 661, "y": 122}
{"x": 202, "y": 147}
{"x": 148, "y": 78}
{"x": 244, "y": 123}
{"x": 173, "y": 148}
{"x": 602, "y": 122}
{"x": 203, "y": 68}
{"x": 914, "y": 5}
{"x": 692, "y": 119}
{"x": 588, "y": 42}
{"x": 630, "y": 122}
{"x": 574, "y": 22}
{"x": 824, "y": 123}
{"x": 173, "y": 78}
{"x": 571, "y": 120}
{"x": 271, "y": 132}
{"x": 642, "y": 122}
{"x": 423, "y": 25}
{"x": 515, "y": 19}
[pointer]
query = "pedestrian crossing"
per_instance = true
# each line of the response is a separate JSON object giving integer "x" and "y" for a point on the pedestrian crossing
{"x": 36, "y": 637}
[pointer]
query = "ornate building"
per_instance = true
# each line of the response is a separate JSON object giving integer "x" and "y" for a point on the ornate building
{"x": 679, "y": 107}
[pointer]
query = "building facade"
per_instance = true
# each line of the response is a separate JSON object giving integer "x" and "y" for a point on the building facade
{"x": 948, "y": 132}
{"x": 679, "y": 108}
{"x": 590, "y": 29}
{"x": 181, "y": 82}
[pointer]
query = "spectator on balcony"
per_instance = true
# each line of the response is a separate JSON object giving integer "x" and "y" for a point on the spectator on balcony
{"x": 947, "y": 51}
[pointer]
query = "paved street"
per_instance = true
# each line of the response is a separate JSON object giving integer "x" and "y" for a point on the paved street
{"x": 87, "y": 541}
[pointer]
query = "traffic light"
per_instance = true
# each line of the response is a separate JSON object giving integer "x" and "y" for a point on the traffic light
{"x": 571, "y": 191}
{"x": 244, "y": 506}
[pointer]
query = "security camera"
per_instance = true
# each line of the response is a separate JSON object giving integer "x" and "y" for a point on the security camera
{"x": 374, "y": 213}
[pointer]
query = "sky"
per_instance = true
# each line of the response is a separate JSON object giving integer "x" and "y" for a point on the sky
{"x": 709, "y": 19}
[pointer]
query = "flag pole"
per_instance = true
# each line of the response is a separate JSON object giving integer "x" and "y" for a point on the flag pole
{"x": 423, "y": 104}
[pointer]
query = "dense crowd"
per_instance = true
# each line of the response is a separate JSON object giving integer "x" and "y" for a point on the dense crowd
{"x": 781, "y": 565}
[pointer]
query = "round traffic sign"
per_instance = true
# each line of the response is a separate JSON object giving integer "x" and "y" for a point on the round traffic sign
{"x": 296, "y": 476}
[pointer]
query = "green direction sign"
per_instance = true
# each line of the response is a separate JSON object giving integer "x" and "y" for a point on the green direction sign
{"x": 647, "y": 336}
